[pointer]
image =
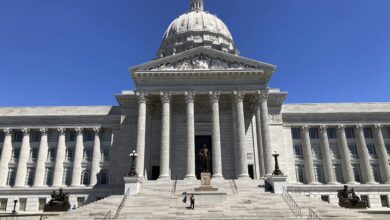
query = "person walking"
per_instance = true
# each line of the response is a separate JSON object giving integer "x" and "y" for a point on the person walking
{"x": 192, "y": 199}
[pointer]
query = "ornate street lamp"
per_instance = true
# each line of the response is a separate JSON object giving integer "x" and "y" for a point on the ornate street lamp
{"x": 277, "y": 171}
{"x": 133, "y": 171}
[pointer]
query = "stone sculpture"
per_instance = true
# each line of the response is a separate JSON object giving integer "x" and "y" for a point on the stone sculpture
{"x": 348, "y": 199}
{"x": 58, "y": 203}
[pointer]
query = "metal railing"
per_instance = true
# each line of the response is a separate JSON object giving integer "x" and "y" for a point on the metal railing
{"x": 108, "y": 215}
{"x": 173, "y": 191}
{"x": 233, "y": 186}
{"x": 296, "y": 209}
{"x": 118, "y": 211}
{"x": 312, "y": 215}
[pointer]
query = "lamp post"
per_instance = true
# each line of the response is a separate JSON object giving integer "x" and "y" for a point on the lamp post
{"x": 14, "y": 211}
{"x": 133, "y": 171}
{"x": 277, "y": 171}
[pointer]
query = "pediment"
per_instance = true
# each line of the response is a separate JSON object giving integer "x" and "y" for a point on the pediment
{"x": 202, "y": 59}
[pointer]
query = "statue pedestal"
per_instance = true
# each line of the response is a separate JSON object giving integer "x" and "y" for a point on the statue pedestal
{"x": 277, "y": 183}
{"x": 205, "y": 183}
{"x": 205, "y": 193}
{"x": 133, "y": 184}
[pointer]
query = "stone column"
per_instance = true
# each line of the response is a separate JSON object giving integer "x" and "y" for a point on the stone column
{"x": 41, "y": 162}
{"x": 141, "y": 133}
{"x": 327, "y": 157}
{"x": 5, "y": 157}
{"x": 165, "y": 136}
{"x": 78, "y": 158}
{"x": 308, "y": 156}
{"x": 364, "y": 155}
{"x": 243, "y": 161}
{"x": 260, "y": 149}
{"x": 382, "y": 154}
{"x": 60, "y": 157}
{"x": 23, "y": 159}
{"x": 189, "y": 99}
{"x": 265, "y": 131}
{"x": 216, "y": 135}
{"x": 95, "y": 168}
{"x": 345, "y": 155}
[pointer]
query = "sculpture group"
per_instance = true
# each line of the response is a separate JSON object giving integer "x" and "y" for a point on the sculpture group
{"x": 58, "y": 203}
{"x": 349, "y": 199}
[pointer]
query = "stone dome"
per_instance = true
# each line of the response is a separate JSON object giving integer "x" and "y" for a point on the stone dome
{"x": 196, "y": 28}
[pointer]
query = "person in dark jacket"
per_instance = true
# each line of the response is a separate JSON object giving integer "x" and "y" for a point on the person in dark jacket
{"x": 192, "y": 200}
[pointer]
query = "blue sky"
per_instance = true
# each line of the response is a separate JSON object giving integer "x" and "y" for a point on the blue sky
{"x": 76, "y": 52}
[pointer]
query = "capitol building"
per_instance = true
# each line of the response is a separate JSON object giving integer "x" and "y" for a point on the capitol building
{"x": 198, "y": 91}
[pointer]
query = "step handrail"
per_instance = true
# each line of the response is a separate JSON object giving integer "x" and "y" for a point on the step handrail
{"x": 313, "y": 215}
{"x": 235, "y": 186}
{"x": 297, "y": 210}
{"x": 174, "y": 187}
{"x": 108, "y": 215}
{"x": 121, "y": 204}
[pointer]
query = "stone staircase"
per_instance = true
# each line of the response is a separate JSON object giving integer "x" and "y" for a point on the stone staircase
{"x": 245, "y": 200}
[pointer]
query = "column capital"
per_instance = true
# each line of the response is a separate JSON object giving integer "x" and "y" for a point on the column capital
{"x": 7, "y": 131}
{"x": 61, "y": 130}
{"x": 96, "y": 130}
{"x": 323, "y": 128}
{"x": 214, "y": 96}
{"x": 165, "y": 97}
{"x": 305, "y": 128}
{"x": 262, "y": 95}
{"x": 43, "y": 131}
{"x": 189, "y": 96}
{"x": 359, "y": 127}
{"x": 79, "y": 130}
{"x": 26, "y": 131}
{"x": 238, "y": 95}
{"x": 378, "y": 128}
{"x": 340, "y": 128}
{"x": 142, "y": 96}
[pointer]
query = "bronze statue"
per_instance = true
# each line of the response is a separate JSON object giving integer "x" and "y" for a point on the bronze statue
{"x": 58, "y": 203}
{"x": 204, "y": 159}
{"x": 349, "y": 199}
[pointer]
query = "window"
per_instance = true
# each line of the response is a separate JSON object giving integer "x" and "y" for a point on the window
{"x": 371, "y": 150}
{"x": 71, "y": 136}
{"x": 300, "y": 172}
{"x": 376, "y": 172}
{"x": 85, "y": 177}
{"x": 80, "y": 202}
{"x": 51, "y": 156}
{"x": 387, "y": 148}
{"x": 3, "y": 205}
{"x": 105, "y": 154}
{"x": 334, "y": 149}
{"x": 49, "y": 176}
{"x": 386, "y": 132}
{"x": 34, "y": 154}
{"x": 87, "y": 154}
{"x": 103, "y": 177}
{"x": 316, "y": 151}
{"x": 338, "y": 173}
{"x": 2, "y": 137}
{"x": 69, "y": 154}
{"x": 325, "y": 198}
{"x": 53, "y": 136}
{"x": 18, "y": 136}
{"x": 365, "y": 199}
{"x": 11, "y": 177}
{"x": 22, "y": 204}
{"x": 385, "y": 201}
{"x": 313, "y": 132}
{"x": 89, "y": 135}
{"x": 353, "y": 150}
{"x": 42, "y": 202}
{"x": 356, "y": 172}
{"x": 331, "y": 133}
{"x": 319, "y": 173}
{"x": 106, "y": 134}
{"x": 29, "y": 177}
{"x": 367, "y": 133}
{"x": 66, "y": 177}
{"x": 350, "y": 133}
{"x": 298, "y": 151}
{"x": 15, "y": 154}
{"x": 296, "y": 133}
{"x": 35, "y": 136}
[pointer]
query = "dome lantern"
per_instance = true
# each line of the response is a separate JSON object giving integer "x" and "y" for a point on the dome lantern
{"x": 197, "y": 5}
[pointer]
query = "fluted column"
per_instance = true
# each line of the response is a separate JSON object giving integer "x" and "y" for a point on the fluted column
{"x": 243, "y": 161}
{"x": 189, "y": 99}
{"x": 165, "y": 136}
{"x": 78, "y": 158}
{"x": 326, "y": 156}
{"x": 265, "y": 130}
{"x": 141, "y": 133}
{"x": 382, "y": 154}
{"x": 308, "y": 156}
{"x": 216, "y": 135}
{"x": 42, "y": 156}
{"x": 5, "y": 157}
{"x": 345, "y": 155}
{"x": 260, "y": 148}
{"x": 23, "y": 159}
{"x": 60, "y": 157}
{"x": 365, "y": 157}
{"x": 95, "y": 166}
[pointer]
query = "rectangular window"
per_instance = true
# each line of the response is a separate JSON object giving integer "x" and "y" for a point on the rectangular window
{"x": 89, "y": 136}
{"x": 66, "y": 177}
{"x": 105, "y": 154}
{"x": 34, "y": 154}
{"x": 15, "y": 154}
{"x": 71, "y": 136}
{"x": 80, "y": 201}
{"x": 87, "y": 154}
{"x": 357, "y": 173}
{"x": 42, "y": 202}
{"x": 387, "y": 148}
{"x": 319, "y": 173}
{"x": 313, "y": 132}
{"x": 386, "y": 132}
{"x": 53, "y": 136}
{"x": 2, "y": 137}
{"x": 338, "y": 173}
{"x": 334, "y": 149}
{"x": 376, "y": 172}
{"x": 385, "y": 201}
{"x": 353, "y": 150}
{"x": 22, "y": 204}
{"x": 29, "y": 176}
{"x": 367, "y": 133}
{"x": 35, "y": 136}
{"x": 69, "y": 154}
{"x": 49, "y": 176}
{"x": 325, "y": 198}
{"x": 106, "y": 134}
{"x": 298, "y": 151}
{"x": 11, "y": 177}
{"x": 371, "y": 150}
{"x": 331, "y": 133}
{"x": 296, "y": 133}
{"x": 300, "y": 173}
{"x": 350, "y": 133}
{"x": 51, "y": 155}
{"x": 3, "y": 205}
{"x": 316, "y": 149}
{"x": 18, "y": 136}
{"x": 365, "y": 199}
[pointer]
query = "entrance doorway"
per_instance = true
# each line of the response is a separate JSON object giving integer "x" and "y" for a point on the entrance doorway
{"x": 199, "y": 141}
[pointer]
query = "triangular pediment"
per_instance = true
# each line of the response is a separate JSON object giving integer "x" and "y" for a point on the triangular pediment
{"x": 202, "y": 58}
